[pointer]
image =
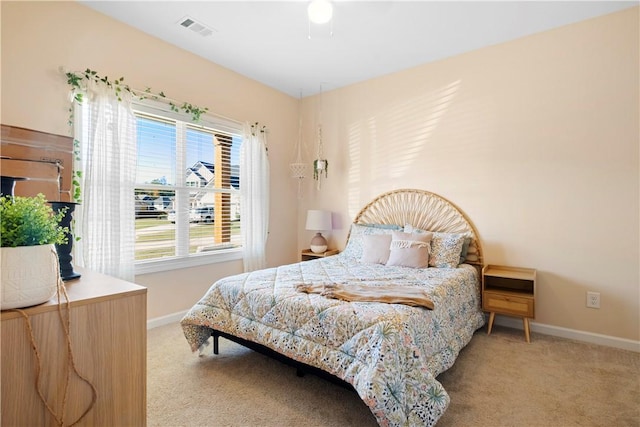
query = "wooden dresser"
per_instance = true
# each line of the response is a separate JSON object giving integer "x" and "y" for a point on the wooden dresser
{"x": 109, "y": 340}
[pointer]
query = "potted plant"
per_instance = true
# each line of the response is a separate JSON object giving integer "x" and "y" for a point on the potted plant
{"x": 29, "y": 231}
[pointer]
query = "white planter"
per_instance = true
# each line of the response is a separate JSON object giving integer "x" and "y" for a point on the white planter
{"x": 29, "y": 275}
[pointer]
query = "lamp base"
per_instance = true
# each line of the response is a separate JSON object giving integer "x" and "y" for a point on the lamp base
{"x": 318, "y": 244}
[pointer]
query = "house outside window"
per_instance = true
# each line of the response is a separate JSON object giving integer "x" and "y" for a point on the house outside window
{"x": 187, "y": 191}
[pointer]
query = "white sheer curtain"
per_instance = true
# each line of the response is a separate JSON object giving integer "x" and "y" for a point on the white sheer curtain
{"x": 254, "y": 197}
{"x": 106, "y": 221}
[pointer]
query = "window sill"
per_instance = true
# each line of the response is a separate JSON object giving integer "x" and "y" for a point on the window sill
{"x": 174, "y": 263}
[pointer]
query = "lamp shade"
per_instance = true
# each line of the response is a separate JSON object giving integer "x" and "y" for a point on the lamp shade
{"x": 318, "y": 220}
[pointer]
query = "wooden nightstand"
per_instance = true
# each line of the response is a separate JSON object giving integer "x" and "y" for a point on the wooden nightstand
{"x": 307, "y": 255}
{"x": 510, "y": 291}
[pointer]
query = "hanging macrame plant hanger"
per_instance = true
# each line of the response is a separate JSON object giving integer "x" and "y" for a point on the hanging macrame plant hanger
{"x": 299, "y": 167}
{"x": 320, "y": 165}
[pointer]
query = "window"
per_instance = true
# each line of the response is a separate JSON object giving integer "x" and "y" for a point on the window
{"x": 187, "y": 194}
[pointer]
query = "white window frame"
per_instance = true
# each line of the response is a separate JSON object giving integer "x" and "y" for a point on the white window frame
{"x": 160, "y": 109}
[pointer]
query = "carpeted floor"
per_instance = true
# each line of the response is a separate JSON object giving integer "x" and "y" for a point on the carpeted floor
{"x": 498, "y": 380}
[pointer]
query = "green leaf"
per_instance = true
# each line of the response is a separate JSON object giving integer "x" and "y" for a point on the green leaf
{"x": 30, "y": 221}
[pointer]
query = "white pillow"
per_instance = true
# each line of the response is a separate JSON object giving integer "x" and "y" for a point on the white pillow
{"x": 410, "y": 249}
{"x": 376, "y": 248}
{"x": 353, "y": 249}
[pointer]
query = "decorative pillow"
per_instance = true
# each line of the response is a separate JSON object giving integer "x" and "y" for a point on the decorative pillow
{"x": 472, "y": 254}
{"x": 446, "y": 249}
{"x": 408, "y": 228}
{"x": 465, "y": 249}
{"x": 353, "y": 249}
{"x": 375, "y": 248}
{"x": 385, "y": 226}
{"x": 410, "y": 249}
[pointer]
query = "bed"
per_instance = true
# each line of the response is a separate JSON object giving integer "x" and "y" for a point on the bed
{"x": 389, "y": 352}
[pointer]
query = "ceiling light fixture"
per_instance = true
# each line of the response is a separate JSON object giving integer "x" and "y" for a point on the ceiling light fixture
{"x": 320, "y": 11}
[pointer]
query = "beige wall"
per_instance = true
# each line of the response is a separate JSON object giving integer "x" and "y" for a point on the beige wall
{"x": 536, "y": 140}
{"x": 39, "y": 37}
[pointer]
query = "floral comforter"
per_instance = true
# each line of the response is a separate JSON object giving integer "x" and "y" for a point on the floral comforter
{"x": 390, "y": 353}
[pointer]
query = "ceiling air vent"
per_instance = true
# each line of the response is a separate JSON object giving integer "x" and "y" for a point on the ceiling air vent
{"x": 195, "y": 26}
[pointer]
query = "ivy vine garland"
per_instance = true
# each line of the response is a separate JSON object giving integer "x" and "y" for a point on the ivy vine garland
{"x": 78, "y": 81}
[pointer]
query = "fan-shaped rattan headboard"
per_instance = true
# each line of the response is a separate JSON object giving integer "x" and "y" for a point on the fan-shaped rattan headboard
{"x": 423, "y": 210}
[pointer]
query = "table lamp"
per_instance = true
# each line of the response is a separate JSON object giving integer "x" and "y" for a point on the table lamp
{"x": 318, "y": 221}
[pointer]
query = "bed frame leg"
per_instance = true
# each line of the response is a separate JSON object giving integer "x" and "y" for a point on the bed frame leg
{"x": 215, "y": 342}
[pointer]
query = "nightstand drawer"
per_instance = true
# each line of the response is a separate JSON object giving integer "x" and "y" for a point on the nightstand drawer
{"x": 508, "y": 304}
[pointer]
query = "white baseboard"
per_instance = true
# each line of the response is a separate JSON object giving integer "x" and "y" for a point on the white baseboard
{"x": 557, "y": 331}
{"x": 165, "y": 320}
{"x": 509, "y": 322}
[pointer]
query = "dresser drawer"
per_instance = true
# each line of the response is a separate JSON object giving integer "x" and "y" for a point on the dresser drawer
{"x": 503, "y": 303}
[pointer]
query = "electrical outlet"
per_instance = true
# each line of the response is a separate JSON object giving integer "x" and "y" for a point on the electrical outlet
{"x": 593, "y": 299}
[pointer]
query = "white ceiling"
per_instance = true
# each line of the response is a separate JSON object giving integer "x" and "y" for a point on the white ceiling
{"x": 268, "y": 41}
